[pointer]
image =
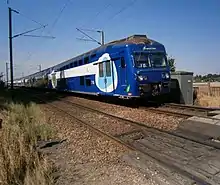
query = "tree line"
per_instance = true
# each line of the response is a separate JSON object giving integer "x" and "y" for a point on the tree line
{"x": 207, "y": 78}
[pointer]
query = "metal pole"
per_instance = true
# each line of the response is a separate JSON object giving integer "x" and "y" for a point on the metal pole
{"x": 7, "y": 73}
{"x": 10, "y": 46}
{"x": 39, "y": 68}
{"x": 1, "y": 76}
{"x": 102, "y": 38}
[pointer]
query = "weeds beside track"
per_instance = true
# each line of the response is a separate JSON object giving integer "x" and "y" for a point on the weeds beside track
{"x": 20, "y": 163}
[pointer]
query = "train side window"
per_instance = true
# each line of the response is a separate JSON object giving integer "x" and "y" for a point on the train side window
{"x": 123, "y": 62}
{"x": 82, "y": 82}
{"x": 88, "y": 82}
{"x": 101, "y": 71}
{"x": 71, "y": 65}
{"x": 75, "y": 64}
{"x": 86, "y": 60}
{"x": 80, "y": 62}
{"x": 93, "y": 55}
{"x": 108, "y": 68}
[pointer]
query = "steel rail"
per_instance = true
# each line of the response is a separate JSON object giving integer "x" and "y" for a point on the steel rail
{"x": 167, "y": 112}
{"x": 177, "y": 114}
{"x": 185, "y": 173}
{"x": 144, "y": 126}
{"x": 192, "y": 107}
{"x": 209, "y": 143}
{"x": 180, "y": 114}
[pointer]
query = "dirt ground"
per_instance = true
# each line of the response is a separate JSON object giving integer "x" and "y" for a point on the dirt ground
{"x": 86, "y": 158}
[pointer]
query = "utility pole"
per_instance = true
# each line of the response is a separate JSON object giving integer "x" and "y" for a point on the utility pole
{"x": 10, "y": 46}
{"x": 102, "y": 37}
{"x": 39, "y": 68}
{"x": 10, "y": 10}
{"x": 1, "y": 76}
{"x": 7, "y": 73}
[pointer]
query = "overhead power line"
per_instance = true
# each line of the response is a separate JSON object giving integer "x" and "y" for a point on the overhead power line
{"x": 53, "y": 24}
{"x": 25, "y": 16}
{"x": 124, "y": 8}
{"x": 30, "y": 19}
{"x": 59, "y": 15}
{"x": 20, "y": 34}
{"x": 101, "y": 32}
{"x": 92, "y": 39}
{"x": 11, "y": 37}
{"x": 41, "y": 36}
{"x": 129, "y": 4}
{"x": 93, "y": 18}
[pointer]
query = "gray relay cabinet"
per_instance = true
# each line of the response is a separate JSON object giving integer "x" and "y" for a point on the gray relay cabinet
{"x": 182, "y": 87}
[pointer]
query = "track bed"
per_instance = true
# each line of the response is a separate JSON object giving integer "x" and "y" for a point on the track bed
{"x": 190, "y": 162}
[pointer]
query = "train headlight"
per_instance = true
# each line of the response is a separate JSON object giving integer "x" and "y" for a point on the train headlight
{"x": 142, "y": 78}
{"x": 165, "y": 75}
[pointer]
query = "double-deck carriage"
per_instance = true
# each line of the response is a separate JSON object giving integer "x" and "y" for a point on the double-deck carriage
{"x": 134, "y": 67}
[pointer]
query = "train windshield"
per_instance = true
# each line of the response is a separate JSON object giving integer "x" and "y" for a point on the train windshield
{"x": 145, "y": 60}
{"x": 141, "y": 60}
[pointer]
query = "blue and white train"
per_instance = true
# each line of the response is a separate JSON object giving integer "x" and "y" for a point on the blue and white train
{"x": 133, "y": 67}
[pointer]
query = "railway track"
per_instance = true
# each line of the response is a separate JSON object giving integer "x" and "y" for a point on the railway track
{"x": 147, "y": 141}
{"x": 142, "y": 125}
{"x": 183, "y": 111}
{"x": 191, "y": 107}
{"x": 170, "y": 109}
{"x": 167, "y": 112}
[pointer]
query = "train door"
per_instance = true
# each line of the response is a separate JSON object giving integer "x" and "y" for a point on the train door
{"x": 123, "y": 73}
{"x": 62, "y": 81}
{"x": 106, "y": 78}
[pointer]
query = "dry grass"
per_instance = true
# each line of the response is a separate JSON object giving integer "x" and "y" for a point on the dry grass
{"x": 20, "y": 163}
{"x": 208, "y": 97}
{"x": 208, "y": 101}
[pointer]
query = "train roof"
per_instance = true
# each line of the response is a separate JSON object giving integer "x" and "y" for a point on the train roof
{"x": 134, "y": 39}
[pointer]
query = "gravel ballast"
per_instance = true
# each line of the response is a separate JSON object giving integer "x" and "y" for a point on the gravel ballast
{"x": 88, "y": 158}
{"x": 150, "y": 118}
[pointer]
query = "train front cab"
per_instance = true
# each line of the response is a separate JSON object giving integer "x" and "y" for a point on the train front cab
{"x": 134, "y": 74}
{"x": 152, "y": 74}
